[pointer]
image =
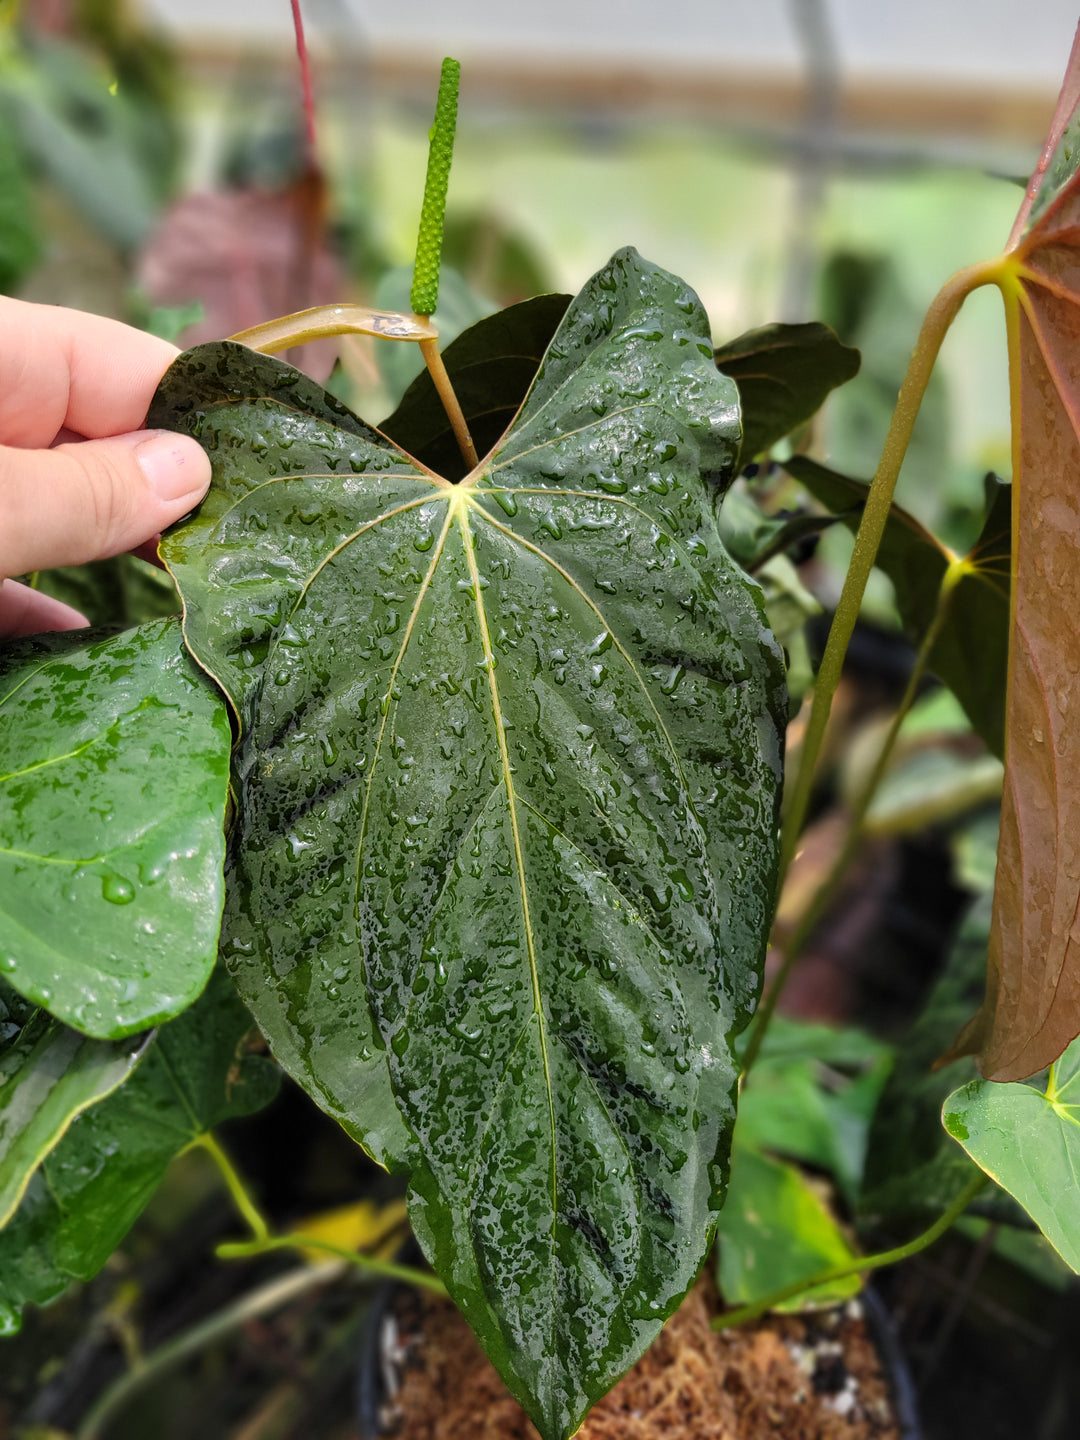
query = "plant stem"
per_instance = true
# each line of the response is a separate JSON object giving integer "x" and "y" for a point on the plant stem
{"x": 241, "y": 1199}
{"x": 305, "y": 76}
{"x": 408, "y": 1274}
{"x": 437, "y": 370}
{"x": 825, "y": 892}
{"x": 855, "y": 1267}
{"x": 939, "y": 317}
{"x": 262, "y": 1301}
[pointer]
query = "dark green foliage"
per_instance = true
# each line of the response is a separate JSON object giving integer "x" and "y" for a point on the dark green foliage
{"x": 784, "y": 373}
{"x": 506, "y": 835}
{"x": 970, "y": 653}
{"x": 99, "y": 1178}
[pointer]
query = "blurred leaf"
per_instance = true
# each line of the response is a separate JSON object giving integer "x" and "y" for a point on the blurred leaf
{"x": 473, "y": 902}
{"x": 21, "y": 243}
{"x": 970, "y": 653}
{"x": 362, "y": 1226}
{"x": 811, "y": 1096}
{"x": 784, "y": 373}
{"x": 493, "y": 259}
{"x": 247, "y": 256}
{"x": 84, "y": 140}
{"x": 1032, "y": 1005}
{"x": 111, "y": 828}
{"x": 94, "y": 1185}
{"x": 931, "y": 786}
{"x": 865, "y": 300}
{"x": 169, "y": 322}
{"x": 1028, "y": 1140}
{"x": 48, "y": 1074}
{"x": 773, "y": 1230}
{"x": 491, "y": 366}
{"x": 912, "y": 1167}
{"x": 459, "y": 308}
{"x": 122, "y": 591}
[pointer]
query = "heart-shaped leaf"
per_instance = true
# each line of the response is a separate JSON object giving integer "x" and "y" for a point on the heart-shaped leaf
{"x": 1032, "y": 1006}
{"x": 507, "y": 783}
{"x": 115, "y": 759}
{"x": 1028, "y": 1140}
{"x": 99, "y": 1178}
{"x": 48, "y": 1074}
{"x": 784, "y": 373}
{"x": 970, "y": 652}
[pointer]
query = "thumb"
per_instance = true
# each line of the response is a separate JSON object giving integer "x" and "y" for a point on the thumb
{"x": 94, "y": 498}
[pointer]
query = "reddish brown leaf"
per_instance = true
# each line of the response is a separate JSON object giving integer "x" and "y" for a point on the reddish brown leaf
{"x": 1032, "y": 1007}
{"x": 248, "y": 256}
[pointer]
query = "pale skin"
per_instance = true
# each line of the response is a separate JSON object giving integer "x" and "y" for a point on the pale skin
{"x": 80, "y": 479}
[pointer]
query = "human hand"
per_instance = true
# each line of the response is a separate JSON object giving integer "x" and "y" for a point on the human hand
{"x": 78, "y": 481}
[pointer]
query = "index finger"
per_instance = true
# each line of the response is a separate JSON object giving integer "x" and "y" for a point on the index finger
{"x": 66, "y": 369}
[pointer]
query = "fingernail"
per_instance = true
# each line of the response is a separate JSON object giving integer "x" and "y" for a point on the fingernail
{"x": 175, "y": 466}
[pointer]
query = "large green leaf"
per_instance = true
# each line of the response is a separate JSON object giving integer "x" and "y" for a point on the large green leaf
{"x": 506, "y": 833}
{"x": 115, "y": 760}
{"x": 784, "y": 373}
{"x": 1028, "y": 1140}
{"x": 48, "y": 1074}
{"x": 94, "y": 1185}
{"x": 971, "y": 651}
{"x": 491, "y": 367}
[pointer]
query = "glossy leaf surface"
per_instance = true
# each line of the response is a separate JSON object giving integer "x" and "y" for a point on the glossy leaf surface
{"x": 505, "y": 843}
{"x": 971, "y": 651}
{"x": 784, "y": 373}
{"x": 95, "y": 1184}
{"x": 774, "y": 1230}
{"x": 48, "y": 1074}
{"x": 1032, "y": 1006}
{"x": 112, "y": 798}
{"x": 1028, "y": 1140}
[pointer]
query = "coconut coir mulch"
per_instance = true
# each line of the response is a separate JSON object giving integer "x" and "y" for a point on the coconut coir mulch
{"x": 816, "y": 1377}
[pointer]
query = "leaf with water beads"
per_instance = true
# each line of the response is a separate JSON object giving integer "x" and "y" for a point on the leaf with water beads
{"x": 506, "y": 830}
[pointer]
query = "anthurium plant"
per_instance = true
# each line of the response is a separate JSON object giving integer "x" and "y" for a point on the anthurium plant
{"x": 457, "y": 788}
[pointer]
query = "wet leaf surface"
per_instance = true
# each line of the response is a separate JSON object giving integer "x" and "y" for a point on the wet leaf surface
{"x": 93, "y": 1186}
{"x": 115, "y": 760}
{"x": 1032, "y": 1006}
{"x": 784, "y": 373}
{"x": 506, "y": 835}
{"x": 1028, "y": 1140}
{"x": 970, "y": 653}
{"x": 48, "y": 1074}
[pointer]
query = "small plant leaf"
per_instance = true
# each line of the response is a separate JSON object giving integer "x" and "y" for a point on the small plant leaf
{"x": 774, "y": 1229}
{"x": 970, "y": 653}
{"x": 48, "y": 1074}
{"x": 1028, "y": 1140}
{"x": 506, "y": 833}
{"x": 1032, "y": 1006}
{"x": 96, "y": 1182}
{"x": 811, "y": 1096}
{"x": 784, "y": 373}
{"x": 115, "y": 759}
